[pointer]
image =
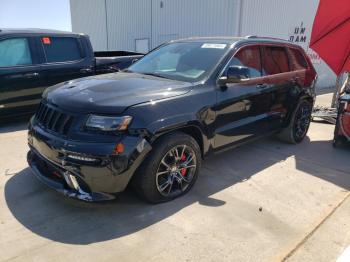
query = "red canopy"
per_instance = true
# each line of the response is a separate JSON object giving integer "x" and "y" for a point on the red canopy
{"x": 330, "y": 36}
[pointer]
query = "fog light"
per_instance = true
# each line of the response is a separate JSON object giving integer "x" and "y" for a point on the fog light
{"x": 74, "y": 182}
{"x": 71, "y": 181}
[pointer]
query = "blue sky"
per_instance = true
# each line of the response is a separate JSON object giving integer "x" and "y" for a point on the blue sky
{"x": 50, "y": 14}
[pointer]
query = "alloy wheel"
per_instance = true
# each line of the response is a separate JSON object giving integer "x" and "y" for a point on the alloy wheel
{"x": 302, "y": 121}
{"x": 176, "y": 171}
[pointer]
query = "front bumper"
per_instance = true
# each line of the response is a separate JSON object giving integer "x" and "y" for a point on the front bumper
{"x": 86, "y": 171}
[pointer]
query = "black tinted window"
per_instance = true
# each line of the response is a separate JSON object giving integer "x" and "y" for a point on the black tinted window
{"x": 275, "y": 60}
{"x": 297, "y": 59}
{"x": 248, "y": 57}
{"x": 61, "y": 49}
{"x": 14, "y": 52}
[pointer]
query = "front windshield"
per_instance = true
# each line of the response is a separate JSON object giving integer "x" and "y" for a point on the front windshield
{"x": 183, "y": 61}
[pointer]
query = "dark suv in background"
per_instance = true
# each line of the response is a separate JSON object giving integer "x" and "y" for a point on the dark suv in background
{"x": 33, "y": 59}
{"x": 152, "y": 124}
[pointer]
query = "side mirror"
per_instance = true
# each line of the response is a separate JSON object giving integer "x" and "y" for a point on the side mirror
{"x": 235, "y": 74}
{"x": 134, "y": 60}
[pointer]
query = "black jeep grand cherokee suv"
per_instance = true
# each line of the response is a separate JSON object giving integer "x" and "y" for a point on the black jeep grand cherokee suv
{"x": 152, "y": 124}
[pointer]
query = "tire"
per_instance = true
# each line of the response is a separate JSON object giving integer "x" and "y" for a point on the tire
{"x": 299, "y": 124}
{"x": 163, "y": 167}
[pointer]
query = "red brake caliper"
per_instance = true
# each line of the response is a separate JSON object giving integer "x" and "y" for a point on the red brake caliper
{"x": 183, "y": 170}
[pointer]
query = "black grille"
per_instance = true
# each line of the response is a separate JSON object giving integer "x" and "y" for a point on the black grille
{"x": 53, "y": 119}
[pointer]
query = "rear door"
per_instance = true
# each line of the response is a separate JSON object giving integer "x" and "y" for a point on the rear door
{"x": 282, "y": 81}
{"x": 242, "y": 108}
{"x": 300, "y": 67}
{"x": 21, "y": 82}
{"x": 64, "y": 58}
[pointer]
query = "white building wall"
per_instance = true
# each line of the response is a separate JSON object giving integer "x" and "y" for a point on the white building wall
{"x": 156, "y": 20}
{"x": 173, "y": 19}
{"x": 89, "y": 17}
{"x": 128, "y": 20}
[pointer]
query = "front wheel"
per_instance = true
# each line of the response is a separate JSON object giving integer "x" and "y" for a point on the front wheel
{"x": 299, "y": 124}
{"x": 170, "y": 170}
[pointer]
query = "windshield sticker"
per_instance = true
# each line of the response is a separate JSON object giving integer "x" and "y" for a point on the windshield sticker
{"x": 217, "y": 46}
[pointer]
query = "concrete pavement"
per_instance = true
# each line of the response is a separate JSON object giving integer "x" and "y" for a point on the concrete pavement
{"x": 329, "y": 240}
{"x": 266, "y": 201}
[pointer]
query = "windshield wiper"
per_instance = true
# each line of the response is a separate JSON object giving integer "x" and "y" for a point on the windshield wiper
{"x": 154, "y": 74}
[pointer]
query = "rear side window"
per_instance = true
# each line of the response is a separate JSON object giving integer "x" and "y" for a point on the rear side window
{"x": 248, "y": 57}
{"x": 61, "y": 49}
{"x": 275, "y": 60}
{"x": 15, "y": 52}
{"x": 297, "y": 59}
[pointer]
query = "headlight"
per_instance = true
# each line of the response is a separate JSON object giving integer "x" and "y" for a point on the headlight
{"x": 108, "y": 123}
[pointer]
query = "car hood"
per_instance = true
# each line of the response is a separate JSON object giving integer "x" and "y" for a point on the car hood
{"x": 113, "y": 93}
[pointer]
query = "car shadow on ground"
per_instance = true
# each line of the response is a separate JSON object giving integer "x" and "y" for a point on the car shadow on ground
{"x": 55, "y": 217}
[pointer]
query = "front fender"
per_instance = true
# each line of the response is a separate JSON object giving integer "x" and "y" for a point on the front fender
{"x": 165, "y": 125}
{"x": 189, "y": 111}
{"x": 187, "y": 124}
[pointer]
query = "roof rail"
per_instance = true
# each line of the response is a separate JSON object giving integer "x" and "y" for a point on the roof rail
{"x": 251, "y": 36}
{"x": 265, "y": 37}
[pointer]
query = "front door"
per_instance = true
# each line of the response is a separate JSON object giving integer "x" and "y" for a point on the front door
{"x": 64, "y": 59}
{"x": 242, "y": 108}
{"x": 21, "y": 82}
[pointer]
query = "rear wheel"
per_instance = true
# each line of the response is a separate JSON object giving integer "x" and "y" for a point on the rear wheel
{"x": 299, "y": 124}
{"x": 170, "y": 170}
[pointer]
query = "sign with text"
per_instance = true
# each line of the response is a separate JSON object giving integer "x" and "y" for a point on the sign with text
{"x": 300, "y": 35}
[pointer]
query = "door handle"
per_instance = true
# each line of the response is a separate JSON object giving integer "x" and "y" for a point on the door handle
{"x": 295, "y": 79}
{"x": 261, "y": 86}
{"x": 31, "y": 75}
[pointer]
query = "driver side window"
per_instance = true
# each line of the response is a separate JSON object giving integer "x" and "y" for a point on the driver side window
{"x": 248, "y": 57}
{"x": 15, "y": 52}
